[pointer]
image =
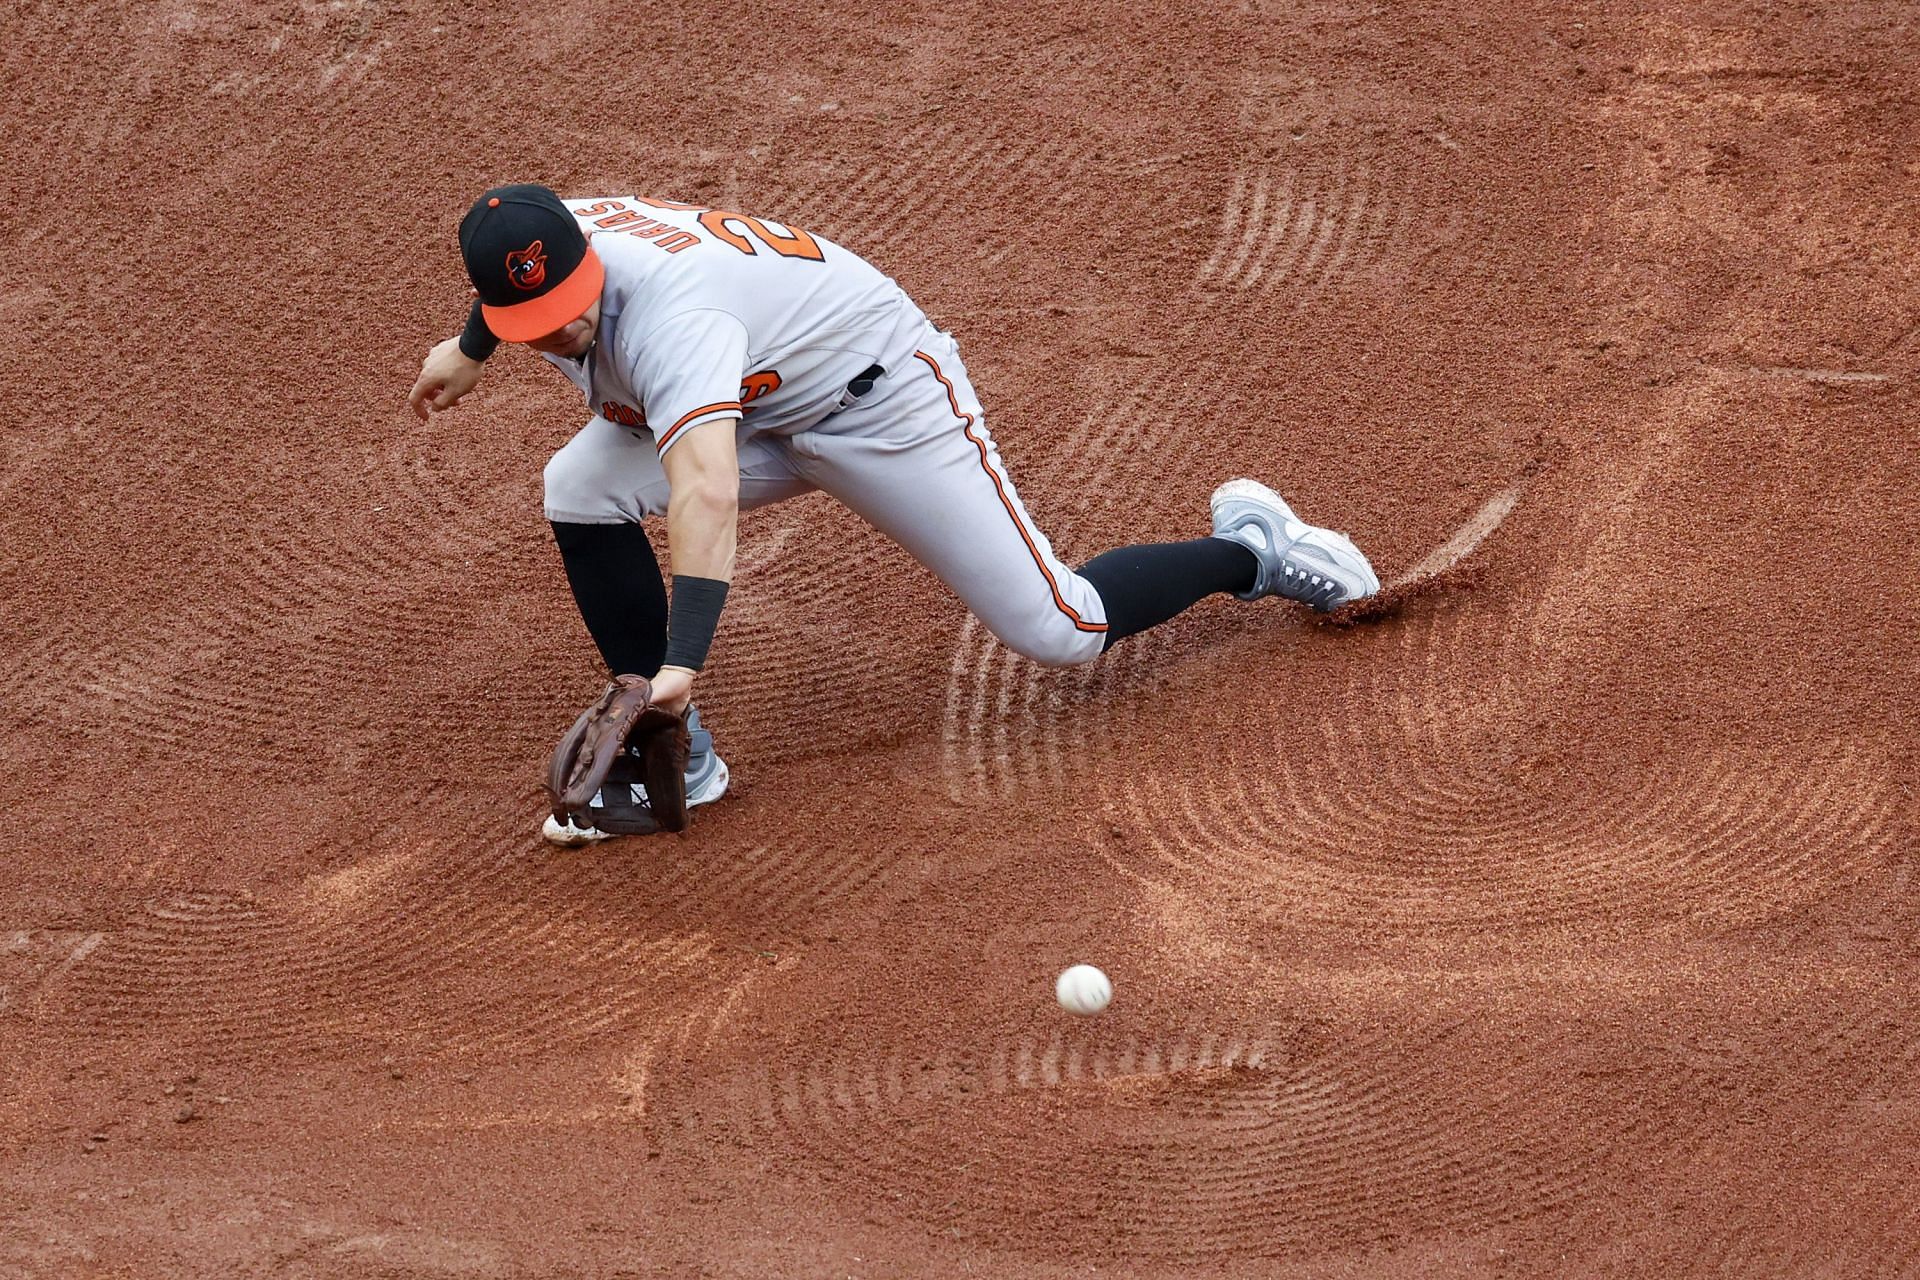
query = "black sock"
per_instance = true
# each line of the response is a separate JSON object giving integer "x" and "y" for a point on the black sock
{"x": 616, "y": 583}
{"x": 1143, "y": 586}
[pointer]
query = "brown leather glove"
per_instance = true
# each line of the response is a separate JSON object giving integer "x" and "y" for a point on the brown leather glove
{"x": 617, "y": 743}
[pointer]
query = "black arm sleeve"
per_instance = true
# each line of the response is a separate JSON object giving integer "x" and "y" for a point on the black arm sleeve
{"x": 476, "y": 340}
{"x": 692, "y": 620}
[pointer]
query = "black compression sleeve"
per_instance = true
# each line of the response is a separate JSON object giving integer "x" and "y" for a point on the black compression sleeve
{"x": 692, "y": 620}
{"x": 616, "y": 583}
{"x": 476, "y": 340}
{"x": 1144, "y": 586}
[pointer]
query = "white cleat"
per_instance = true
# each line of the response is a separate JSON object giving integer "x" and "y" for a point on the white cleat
{"x": 712, "y": 786}
{"x": 1298, "y": 561}
{"x": 569, "y": 836}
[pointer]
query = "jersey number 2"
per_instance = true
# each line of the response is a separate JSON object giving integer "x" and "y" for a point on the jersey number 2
{"x": 793, "y": 243}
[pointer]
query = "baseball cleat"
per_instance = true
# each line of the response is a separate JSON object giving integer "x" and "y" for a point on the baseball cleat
{"x": 707, "y": 777}
{"x": 1298, "y": 561}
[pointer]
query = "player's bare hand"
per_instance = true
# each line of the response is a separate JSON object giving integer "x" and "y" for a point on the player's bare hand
{"x": 446, "y": 375}
{"x": 673, "y": 689}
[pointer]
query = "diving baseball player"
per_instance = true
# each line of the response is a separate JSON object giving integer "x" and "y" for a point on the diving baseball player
{"x": 730, "y": 361}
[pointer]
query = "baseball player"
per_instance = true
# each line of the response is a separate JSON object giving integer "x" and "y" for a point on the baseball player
{"x": 730, "y": 361}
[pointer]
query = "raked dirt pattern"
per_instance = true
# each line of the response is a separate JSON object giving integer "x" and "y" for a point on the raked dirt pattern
{"x": 1561, "y": 917}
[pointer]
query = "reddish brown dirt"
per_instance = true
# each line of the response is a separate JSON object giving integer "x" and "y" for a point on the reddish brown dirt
{"x": 1564, "y": 925}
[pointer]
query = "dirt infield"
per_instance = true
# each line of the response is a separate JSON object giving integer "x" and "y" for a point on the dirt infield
{"x": 1559, "y": 919}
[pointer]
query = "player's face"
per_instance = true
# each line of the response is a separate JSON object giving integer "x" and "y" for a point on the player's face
{"x": 571, "y": 340}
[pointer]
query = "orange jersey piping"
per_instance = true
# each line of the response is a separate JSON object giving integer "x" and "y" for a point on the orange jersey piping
{"x": 966, "y": 427}
{"x": 725, "y": 406}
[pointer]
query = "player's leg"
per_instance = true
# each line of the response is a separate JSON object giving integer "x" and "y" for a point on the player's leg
{"x": 1258, "y": 547}
{"x": 599, "y": 487}
{"x": 1143, "y": 586}
{"x": 616, "y": 584}
{"x": 917, "y": 462}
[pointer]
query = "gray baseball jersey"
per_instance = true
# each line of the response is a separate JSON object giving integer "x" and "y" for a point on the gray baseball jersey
{"x": 837, "y": 382}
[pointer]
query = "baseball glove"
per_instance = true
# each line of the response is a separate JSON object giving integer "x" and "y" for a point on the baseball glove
{"x": 620, "y": 743}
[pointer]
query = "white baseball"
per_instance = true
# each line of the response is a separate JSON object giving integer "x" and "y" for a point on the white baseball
{"x": 1083, "y": 989}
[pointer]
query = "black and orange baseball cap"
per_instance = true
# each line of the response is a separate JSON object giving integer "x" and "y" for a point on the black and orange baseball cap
{"x": 529, "y": 262}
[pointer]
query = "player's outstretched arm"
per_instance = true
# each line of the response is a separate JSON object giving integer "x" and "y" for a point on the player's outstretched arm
{"x": 703, "y": 516}
{"x": 703, "y": 500}
{"x": 446, "y": 375}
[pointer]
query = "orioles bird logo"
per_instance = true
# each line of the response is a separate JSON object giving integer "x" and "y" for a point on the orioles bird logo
{"x": 527, "y": 267}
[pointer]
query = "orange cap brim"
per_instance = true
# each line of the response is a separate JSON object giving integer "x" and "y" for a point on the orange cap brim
{"x": 555, "y": 309}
